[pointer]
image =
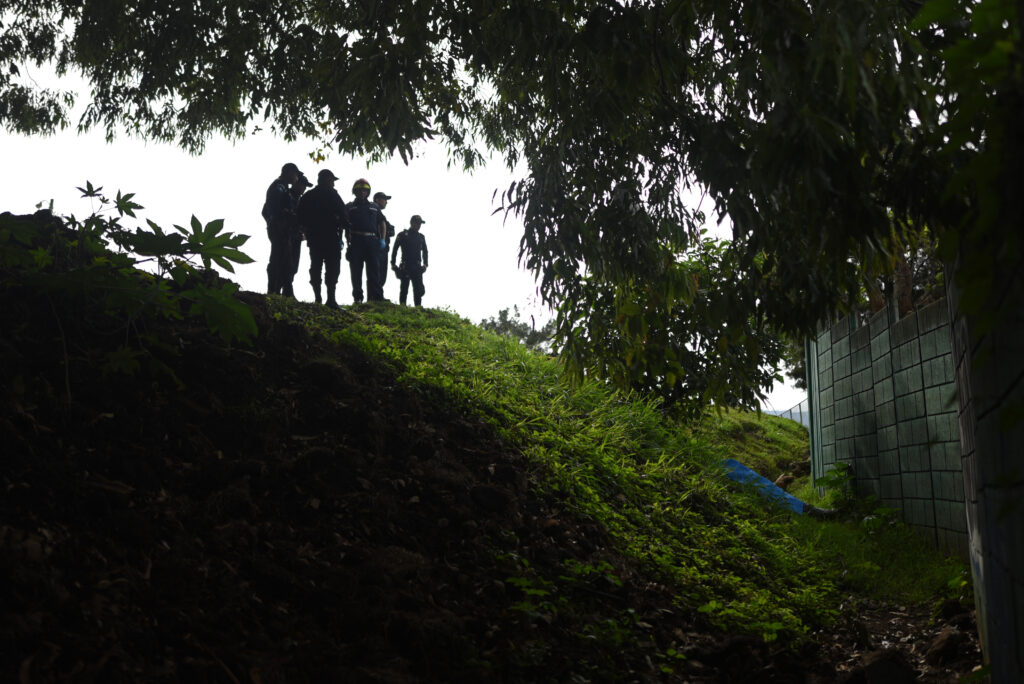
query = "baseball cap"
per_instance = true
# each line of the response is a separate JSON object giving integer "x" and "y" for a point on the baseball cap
{"x": 416, "y": 218}
{"x": 378, "y": 195}
{"x": 325, "y": 174}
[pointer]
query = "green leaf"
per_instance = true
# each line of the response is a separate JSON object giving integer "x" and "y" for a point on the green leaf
{"x": 224, "y": 314}
{"x": 940, "y": 12}
{"x": 213, "y": 227}
{"x": 156, "y": 244}
{"x": 124, "y": 205}
{"x": 630, "y": 309}
{"x": 123, "y": 361}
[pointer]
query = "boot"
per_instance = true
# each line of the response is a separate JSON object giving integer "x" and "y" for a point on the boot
{"x": 331, "y": 304}
{"x": 316, "y": 293}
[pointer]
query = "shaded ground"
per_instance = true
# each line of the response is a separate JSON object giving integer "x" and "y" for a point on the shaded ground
{"x": 289, "y": 513}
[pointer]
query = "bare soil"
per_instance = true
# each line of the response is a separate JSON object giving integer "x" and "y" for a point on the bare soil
{"x": 291, "y": 513}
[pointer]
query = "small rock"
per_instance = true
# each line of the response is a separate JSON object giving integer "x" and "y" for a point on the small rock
{"x": 887, "y": 666}
{"x": 491, "y": 499}
{"x": 944, "y": 647}
{"x": 950, "y": 609}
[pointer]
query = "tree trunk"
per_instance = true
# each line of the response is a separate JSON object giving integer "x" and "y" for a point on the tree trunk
{"x": 903, "y": 284}
{"x": 876, "y": 297}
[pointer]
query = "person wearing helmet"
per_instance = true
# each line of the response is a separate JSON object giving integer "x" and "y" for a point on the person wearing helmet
{"x": 366, "y": 234}
{"x": 323, "y": 216}
{"x": 278, "y": 212}
{"x": 413, "y": 247}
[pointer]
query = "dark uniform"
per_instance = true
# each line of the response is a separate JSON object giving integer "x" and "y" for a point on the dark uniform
{"x": 323, "y": 216}
{"x": 295, "y": 237}
{"x": 365, "y": 241}
{"x": 279, "y": 214}
{"x": 387, "y": 239}
{"x": 413, "y": 247}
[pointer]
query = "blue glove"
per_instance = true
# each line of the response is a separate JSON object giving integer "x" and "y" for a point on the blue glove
{"x": 383, "y": 244}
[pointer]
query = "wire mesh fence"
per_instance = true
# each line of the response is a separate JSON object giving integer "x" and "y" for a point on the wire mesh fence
{"x": 801, "y": 413}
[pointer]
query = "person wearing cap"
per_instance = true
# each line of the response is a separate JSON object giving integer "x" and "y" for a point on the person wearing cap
{"x": 295, "y": 235}
{"x": 381, "y": 200}
{"x": 366, "y": 235}
{"x": 280, "y": 217}
{"x": 324, "y": 218}
{"x": 413, "y": 247}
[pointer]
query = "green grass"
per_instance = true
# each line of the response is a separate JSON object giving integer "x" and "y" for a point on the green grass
{"x": 878, "y": 557}
{"x": 652, "y": 482}
{"x": 768, "y": 444}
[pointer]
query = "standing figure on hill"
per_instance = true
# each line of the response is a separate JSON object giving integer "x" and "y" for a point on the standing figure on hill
{"x": 381, "y": 200}
{"x": 324, "y": 218}
{"x": 414, "y": 260}
{"x": 295, "y": 236}
{"x": 279, "y": 214}
{"x": 365, "y": 241}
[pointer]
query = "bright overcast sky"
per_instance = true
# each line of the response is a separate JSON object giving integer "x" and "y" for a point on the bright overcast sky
{"x": 473, "y": 253}
{"x": 473, "y": 256}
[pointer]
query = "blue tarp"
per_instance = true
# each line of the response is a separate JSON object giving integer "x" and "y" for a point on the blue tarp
{"x": 765, "y": 487}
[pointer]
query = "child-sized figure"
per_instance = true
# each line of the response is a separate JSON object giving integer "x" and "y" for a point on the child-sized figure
{"x": 414, "y": 260}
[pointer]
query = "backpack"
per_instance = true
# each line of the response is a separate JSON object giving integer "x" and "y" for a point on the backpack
{"x": 266, "y": 211}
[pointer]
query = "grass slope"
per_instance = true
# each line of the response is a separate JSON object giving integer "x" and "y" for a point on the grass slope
{"x": 387, "y": 494}
{"x": 653, "y": 483}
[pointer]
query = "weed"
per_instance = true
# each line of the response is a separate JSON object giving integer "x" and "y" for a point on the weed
{"x": 93, "y": 266}
{"x": 652, "y": 482}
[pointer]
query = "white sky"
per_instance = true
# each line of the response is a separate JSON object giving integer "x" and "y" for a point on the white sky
{"x": 473, "y": 254}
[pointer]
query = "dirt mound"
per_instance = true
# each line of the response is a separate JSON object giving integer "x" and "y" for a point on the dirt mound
{"x": 290, "y": 512}
{"x": 283, "y": 513}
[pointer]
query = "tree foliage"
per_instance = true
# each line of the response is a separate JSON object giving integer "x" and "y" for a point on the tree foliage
{"x": 512, "y": 325}
{"x": 691, "y": 353}
{"x": 822, "y": 130}
{"x": 794, "y": 361}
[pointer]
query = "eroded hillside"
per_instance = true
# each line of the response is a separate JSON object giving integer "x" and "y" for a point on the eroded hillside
{"x": 307, "y": 509}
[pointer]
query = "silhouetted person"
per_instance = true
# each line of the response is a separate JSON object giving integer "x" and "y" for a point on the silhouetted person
{"x": 280, "y": 217}
{"x": 413, "y": 247}
{"x": 323, "y": 216}
{"x": 365, "y": 241}
{"x": 295, "y": 235}
{"x": 381, "y": 200}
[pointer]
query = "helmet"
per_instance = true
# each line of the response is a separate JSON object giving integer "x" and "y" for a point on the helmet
{"x": 361, "y": 184}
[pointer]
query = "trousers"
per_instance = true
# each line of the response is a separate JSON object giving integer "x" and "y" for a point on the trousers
{"x": 364, "y": 251}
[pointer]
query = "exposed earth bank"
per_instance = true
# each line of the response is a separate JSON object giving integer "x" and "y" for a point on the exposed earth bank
{"x": 290, "y": 513}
